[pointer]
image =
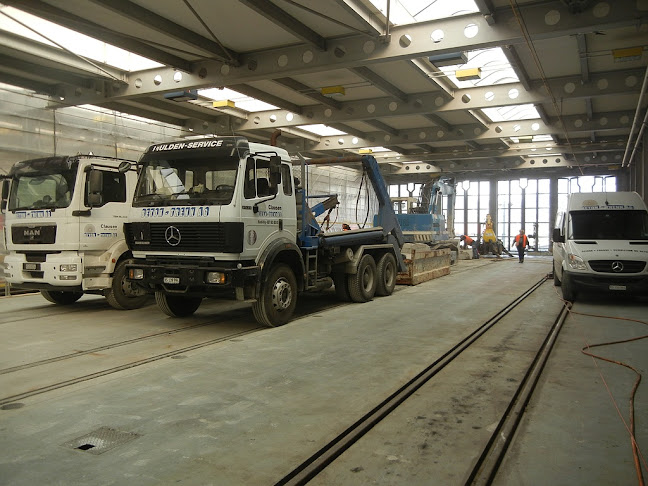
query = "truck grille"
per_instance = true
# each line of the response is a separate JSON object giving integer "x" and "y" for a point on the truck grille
{"x": 617, "y": 266}
{"x": 33, "y": 235}
{"x": 185, "y": 237}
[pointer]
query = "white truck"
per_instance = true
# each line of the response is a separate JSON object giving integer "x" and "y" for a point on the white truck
{"x": 223, "y": 218}
{"x": 64, "y": 219}
{"x": 601, "y": 244}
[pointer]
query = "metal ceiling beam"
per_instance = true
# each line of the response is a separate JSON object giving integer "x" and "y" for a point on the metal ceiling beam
{"x": 433, "y": 74}
{"x": 412, "y": 41}
{"x": 363, "y": 15}
{"x": 78, "y": 24}
{"x": 144, "y": 113}
{"x": 17, "y": 46}
{"x": 512, "y": 129}
{"x": 161, "y": 24}
{"x": 383, "y": 127}
{"x": 436, "y": 103}
{"x": 287, "y": 22}
{"x": 438, "y": 121}
{"x": 487, "y": 10}
{"x": 581, "y": 42}
{"x": 30, "y": 84}
{"x": 42, "y": 73}
{"x": 347, "y": 129}
{"x": 516, "y": 63}
{"x": 380, "y": 82}
{"x": 309, "y": 92}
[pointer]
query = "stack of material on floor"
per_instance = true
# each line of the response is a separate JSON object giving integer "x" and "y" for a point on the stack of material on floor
{"x": 423, "y": 264}
{"x": 465, "y": 254}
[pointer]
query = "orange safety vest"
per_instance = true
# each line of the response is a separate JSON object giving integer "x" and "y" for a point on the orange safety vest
{"x": 469, "y": 240}
{"x": 525, "y": 240}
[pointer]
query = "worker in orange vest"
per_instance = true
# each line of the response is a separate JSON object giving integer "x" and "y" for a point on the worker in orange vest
{"x": 521, "y": 242}
{"x": 473, "y": 244}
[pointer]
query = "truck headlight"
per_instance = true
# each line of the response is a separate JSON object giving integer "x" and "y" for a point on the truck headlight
{"x": 576, "y": 262}
{"x": 68, "y": 267}
{"x": 136, "y": 273}
{"x": 215, "y": 278}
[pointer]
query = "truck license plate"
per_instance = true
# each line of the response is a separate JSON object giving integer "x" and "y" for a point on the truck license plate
{"x": 31, "y": 266}
{"x": 617, "y": 287}
{"x": 171, "y": 280}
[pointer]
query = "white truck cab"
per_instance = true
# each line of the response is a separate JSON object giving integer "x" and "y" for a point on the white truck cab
{"x": 601, "y": 244}
{"x": 64, "y": 219}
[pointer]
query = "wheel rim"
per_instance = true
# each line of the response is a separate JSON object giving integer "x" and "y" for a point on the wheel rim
{"x": 389, "y": 274}
{"x": 131, "y": 290}
{"x": 281, "y": 295}
{"x": 367, "y": 279}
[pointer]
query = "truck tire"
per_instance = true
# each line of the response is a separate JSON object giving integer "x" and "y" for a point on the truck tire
{"x": 278, "y": 298}
{"x": 362, "y": 284}
{"x": 557, "y": 282}
{"x": 61, "y": 297}
{"x": 124, "y": 295}
{"x": 340, "y": 281}
{"x": 175, "y": 305}
{"x": 568, "y": 292}
{"x": 386, "y": 273}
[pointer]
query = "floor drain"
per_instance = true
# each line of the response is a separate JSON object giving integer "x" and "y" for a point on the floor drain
{"x": 101, "y": 440}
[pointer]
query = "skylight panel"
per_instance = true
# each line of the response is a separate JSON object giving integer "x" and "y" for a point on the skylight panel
{"x": 322, "y": 130}
{"x": 511, "y": 113}
{"x": 403, "y": 12}
{"x": 46, "y": 32}
{"x": 241, "y": 101}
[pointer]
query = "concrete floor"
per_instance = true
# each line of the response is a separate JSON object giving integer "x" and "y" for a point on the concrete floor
{"x": 248, "y": 409}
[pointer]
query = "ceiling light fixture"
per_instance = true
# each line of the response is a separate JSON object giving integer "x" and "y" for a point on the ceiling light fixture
{"x": 333, "y": 91}
{"x": 448, "y": 59}
{"x": 628, "y": 54}
{"x": 188, "y": 95}
{"x": 468, "y": 74}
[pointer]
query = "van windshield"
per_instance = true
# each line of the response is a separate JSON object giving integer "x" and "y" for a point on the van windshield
{"x": 608, "y": 225}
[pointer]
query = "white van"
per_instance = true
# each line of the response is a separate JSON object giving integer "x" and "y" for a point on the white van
{"x": 601, "y": 244}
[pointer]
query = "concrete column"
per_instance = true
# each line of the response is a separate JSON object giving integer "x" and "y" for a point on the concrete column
{"x": 492, "y": 203}
{"x": 553, "y": 202}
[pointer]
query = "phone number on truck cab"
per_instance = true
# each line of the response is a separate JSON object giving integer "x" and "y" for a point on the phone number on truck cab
{"x": 180, "y": 211}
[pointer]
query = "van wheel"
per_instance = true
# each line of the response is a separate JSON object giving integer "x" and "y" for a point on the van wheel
{"x": 340, "y": 281}
{"x": 125, "y": 295}
{"x": 276, "y": 304}
{"x": 60, "y": 297}
{"x": 176, "y": 306}
{"x": 557, "y": 282}
{"x": 569, "y": 294}
{"x": 386, "y": 274}
{"x": 362, "y": 284}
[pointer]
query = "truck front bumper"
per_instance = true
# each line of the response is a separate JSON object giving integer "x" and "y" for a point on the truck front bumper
{"x": 188, "y": 279}
{"x": 55, "y": 271}
{"x": 631, "y": 284}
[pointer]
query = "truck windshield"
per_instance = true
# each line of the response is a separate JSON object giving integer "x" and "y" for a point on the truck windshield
{"x": 609, "y": 225}
{"x": 46, "y": 189}
{"x": 186, "y": 181}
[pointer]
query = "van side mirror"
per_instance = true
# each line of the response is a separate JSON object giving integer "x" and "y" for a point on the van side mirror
{"x": 557, "y": 237}
{"x": 95, "y": 188}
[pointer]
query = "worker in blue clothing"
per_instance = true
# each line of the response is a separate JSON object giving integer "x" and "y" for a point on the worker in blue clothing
{"x": 521, "y": 242}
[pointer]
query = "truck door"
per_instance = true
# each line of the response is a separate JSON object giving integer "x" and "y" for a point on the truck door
{"x": 263, "y": 207}
{"x": 105, "y": 210}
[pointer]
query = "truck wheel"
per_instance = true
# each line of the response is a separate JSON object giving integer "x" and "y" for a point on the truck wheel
{"x": 569, "y": 294}
{"x": 60, "y": 297}
{"x": 362, "y": 285}
{"x": 177, "y": 306}
{"x": 278, "y": 298}
{"x": 341, "y": 287}
{"x": 125, "y": 295}
{"x": 386, "y": 274}
{"x": 555, "y": 276}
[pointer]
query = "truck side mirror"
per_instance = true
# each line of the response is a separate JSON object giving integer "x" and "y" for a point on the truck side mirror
{"x": 124, "y": 167}
{"x": 557, "y": 237}
{"x": 95, "y": 188}
{"x": 275, "y": 173}
{"x": 5, "y": 194}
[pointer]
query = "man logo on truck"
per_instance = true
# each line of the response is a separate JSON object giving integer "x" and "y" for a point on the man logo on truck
{"x": 172, "y": 236}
